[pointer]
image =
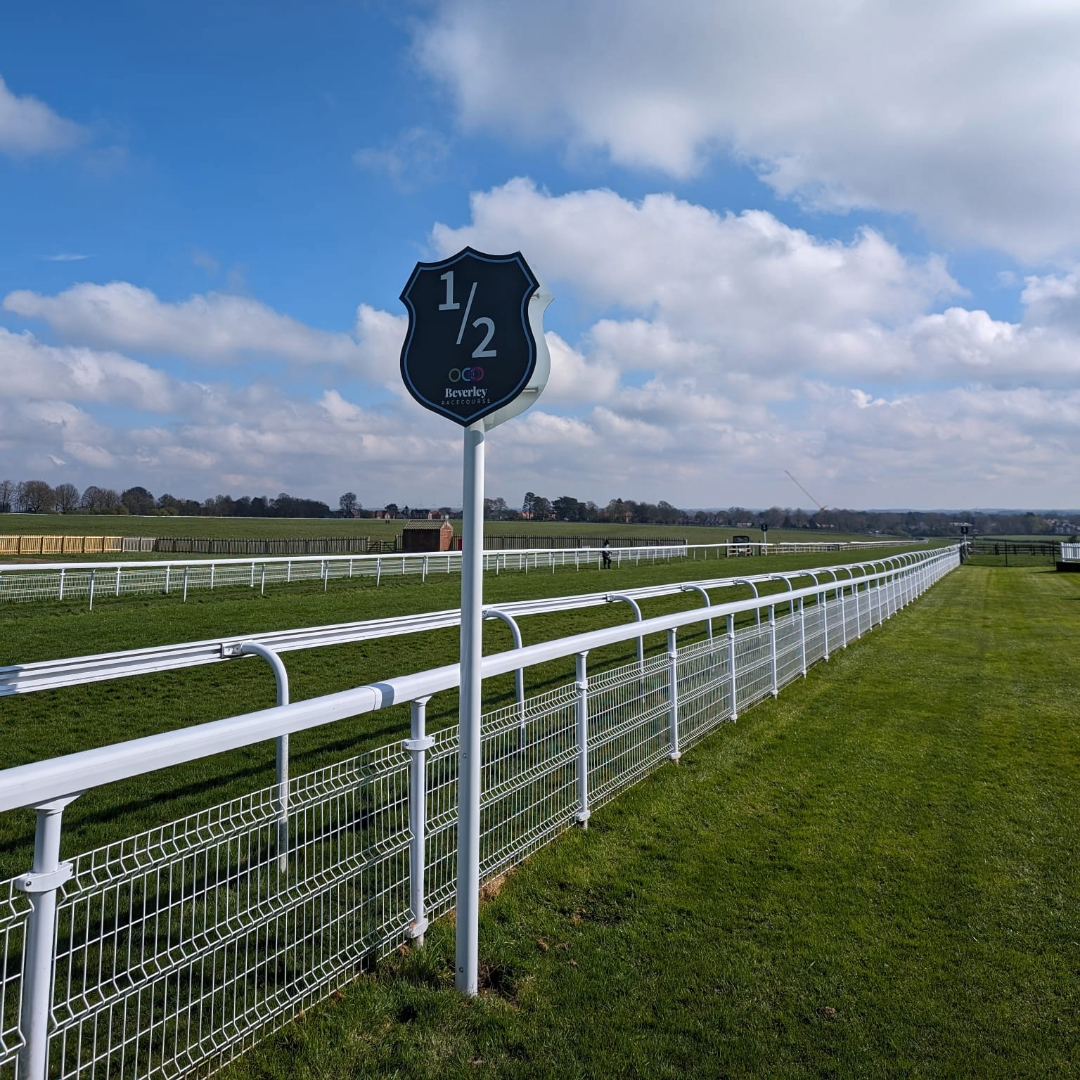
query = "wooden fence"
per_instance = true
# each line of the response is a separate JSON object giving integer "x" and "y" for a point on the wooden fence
{"x": 66, "y": 545}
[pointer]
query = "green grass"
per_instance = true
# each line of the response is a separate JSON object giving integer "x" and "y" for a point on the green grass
{"x": 113, "y": 525}
{"x": 874, "y": 876}
{"x": 55, "y": 722}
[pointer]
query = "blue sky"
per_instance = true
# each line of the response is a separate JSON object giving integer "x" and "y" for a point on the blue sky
{"x": 837, "y": 240}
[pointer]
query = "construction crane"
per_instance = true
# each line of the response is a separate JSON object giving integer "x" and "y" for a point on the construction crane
{"x": 820, "y": 506}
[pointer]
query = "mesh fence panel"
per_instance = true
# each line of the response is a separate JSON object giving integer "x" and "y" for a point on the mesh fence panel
{"x": 178, "y": 948}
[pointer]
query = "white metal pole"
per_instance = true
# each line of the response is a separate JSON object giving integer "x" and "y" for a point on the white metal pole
{"x": 41, "y": 884}
{"x": 772, "y": 648}
{"x": 731, "y": 668}
{"x": 418, "y": 745}
{"x": 673, "y": 696}
{"x": 581, "y": 682}
{"x": 802, "y": 637}
{"x": 469, "y": 743}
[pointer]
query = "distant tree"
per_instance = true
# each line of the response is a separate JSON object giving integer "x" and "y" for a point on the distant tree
{"x": 348, "y": 502}
{"x": 567, "y": 508}
{"x": 666, "y": 514}
{"x": 67, "y": 498}
{"x": 137, "y": 500}
{"x": 391, "y": 508}
{"x": 38, "y": 497}
{"x": 7, "y": 496}
{"x": 527, "y": 504}
{"x": 494, "y": 509}
{"x": 542, "y": 509}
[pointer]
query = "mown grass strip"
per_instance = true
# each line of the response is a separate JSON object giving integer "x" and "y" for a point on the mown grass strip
{"x": 873, "y": 876}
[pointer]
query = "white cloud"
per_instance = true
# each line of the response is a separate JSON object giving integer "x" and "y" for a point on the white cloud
{"x": 963, "y": 114}
{"x": 29, "y": 126}
{"x": 65, "y": 256}
{"x": 717, "y": 351}
{"x": 30, "y": 369}
{"x": 210, "y": 327}
{"x": 414, "y": 159}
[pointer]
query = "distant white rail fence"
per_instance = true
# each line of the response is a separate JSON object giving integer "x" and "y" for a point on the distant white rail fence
{"x": 169, "y": 953}
{"x": 87, "y": 580}
{"x": 1070, "y": 552}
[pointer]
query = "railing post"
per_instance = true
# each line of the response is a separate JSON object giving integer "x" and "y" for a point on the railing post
{"x": 673, "y": 696}
{"x": 61, "y": 595}
{"x": 772, "y": 649}
{"x": 519, "y": 674}
{"x": 825, "y": 620}
{"x": 118, "y": 581}
{"x": 581, "y": 683}
{"x": 281, "y": 749}
{"x": 262, "y": 581}
{"x": 858, "y": 614}
{"x": 802, "y": 636}
{"x": 418, "y": 744}
{"x": 843, "y": 616}
{"x": 731, "y": 667}
{"x": 93, "y": 574}
{"x": 41, "y": 885}
{"x": 186, "y": 569}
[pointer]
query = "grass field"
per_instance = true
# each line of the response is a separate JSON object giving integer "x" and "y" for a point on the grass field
{"x": 111, "y": 525}
{"x": 874, "y": 876}
{"x": 50, "y": 723}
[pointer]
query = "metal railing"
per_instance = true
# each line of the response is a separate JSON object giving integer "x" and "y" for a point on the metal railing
{"x": 170, "y": 952}
{"x": 73, "y": 671}
{"x": 1070, "y": 552}
{"x": 87, "y": 580}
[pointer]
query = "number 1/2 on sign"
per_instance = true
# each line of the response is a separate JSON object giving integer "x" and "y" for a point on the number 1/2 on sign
{"x": 449, "y": 304}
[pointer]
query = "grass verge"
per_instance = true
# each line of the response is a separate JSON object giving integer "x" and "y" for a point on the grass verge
{"x": 873, "y": 876}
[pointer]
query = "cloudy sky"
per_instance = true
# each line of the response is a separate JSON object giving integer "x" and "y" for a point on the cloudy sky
{"x": 836, "y": 237}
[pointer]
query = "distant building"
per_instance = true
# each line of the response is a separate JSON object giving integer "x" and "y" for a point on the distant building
{"x": 420, "y": 536}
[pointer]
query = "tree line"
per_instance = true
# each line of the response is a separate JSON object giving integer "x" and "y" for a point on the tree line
{"x": 39, "y": 497}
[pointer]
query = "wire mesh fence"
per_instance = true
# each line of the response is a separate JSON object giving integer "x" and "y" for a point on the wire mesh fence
{"x": 175, "y": 950}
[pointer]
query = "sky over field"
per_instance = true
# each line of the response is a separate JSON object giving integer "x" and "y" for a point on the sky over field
{"x": 835, "y": 237}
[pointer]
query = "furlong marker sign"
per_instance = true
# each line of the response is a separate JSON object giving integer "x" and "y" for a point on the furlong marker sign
{"x": 474, "y": 353}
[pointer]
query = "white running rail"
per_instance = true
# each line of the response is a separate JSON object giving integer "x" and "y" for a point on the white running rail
{"x": 87, "y": 580}
{"x": 51, "y": 674}
{"x": 170, "y": 952}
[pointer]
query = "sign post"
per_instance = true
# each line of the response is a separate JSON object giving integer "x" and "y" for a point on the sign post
{"x": 474, "y": 353}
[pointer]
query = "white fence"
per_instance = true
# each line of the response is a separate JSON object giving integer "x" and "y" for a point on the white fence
{"x": 74, "y": 671}
{"x": 1070, "y": 552}
{"x": 172, "y": 951}
{"x": 85, "y": 580}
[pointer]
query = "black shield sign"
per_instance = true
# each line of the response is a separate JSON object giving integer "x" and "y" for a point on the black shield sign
{"x": 470, "y": 348}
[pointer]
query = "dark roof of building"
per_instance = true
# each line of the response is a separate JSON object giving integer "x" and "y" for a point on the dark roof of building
{"x": 423, "y": 524}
